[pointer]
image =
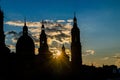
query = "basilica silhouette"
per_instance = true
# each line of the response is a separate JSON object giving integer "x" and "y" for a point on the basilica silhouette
{"x": 24, "y": 64}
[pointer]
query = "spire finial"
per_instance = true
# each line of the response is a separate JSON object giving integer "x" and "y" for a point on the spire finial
{"x": 25, "y": 29}
{"x": 24, "y": 21}
{"x": 42, "y": 23}
{"x": 63, "y": 47}
{"x": 75, "y": 19}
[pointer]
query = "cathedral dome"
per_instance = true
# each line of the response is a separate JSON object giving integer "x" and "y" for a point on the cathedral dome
{"x": 25, "y": 45}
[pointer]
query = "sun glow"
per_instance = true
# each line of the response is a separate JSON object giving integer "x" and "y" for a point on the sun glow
{"x": 57, "y": 53}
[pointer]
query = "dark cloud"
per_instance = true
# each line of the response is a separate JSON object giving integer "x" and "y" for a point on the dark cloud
{"x": 11, "y": 32}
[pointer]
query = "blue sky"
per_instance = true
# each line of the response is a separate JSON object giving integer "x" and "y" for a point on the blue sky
{"x": 98, "y": 20}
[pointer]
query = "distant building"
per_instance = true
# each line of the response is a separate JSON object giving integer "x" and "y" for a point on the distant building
{"x": 64, "y": 55}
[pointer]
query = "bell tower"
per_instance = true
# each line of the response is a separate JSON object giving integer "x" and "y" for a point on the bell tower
{"x": 3, "y": 49}
{"x": 43, "y": 40}
{"x": 76, "y": 49}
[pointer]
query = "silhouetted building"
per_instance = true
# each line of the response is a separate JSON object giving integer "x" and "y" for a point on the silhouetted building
{"x": 25, "y": 45}
{"x": 3, "y": 49}
{"x": 76, "y": 49}
{"x": 25, "y": 49}
{"x": 25, "y": 65}
{"x": 44, "y": 53}
{"x": 43, "y": 41}
{"x": 64, "y": 55}
{"x": 44, "y": 56}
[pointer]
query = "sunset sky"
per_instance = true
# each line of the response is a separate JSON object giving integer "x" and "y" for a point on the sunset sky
{"x": 98, "y": 20}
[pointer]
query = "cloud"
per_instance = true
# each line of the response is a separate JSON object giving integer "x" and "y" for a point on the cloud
{"x": 49, "y": 40}
{"x": 14, "y": 40}
{"x": 66, "y": 32}
{"x": 70, "y": 20}
{"x": 105, "y": 58}
{"x": 12, "y": 47}
{"x": 48, "y": 20}
{"x": 89, "y": 52}
{"x": 11, "y": 32}
{"x": 20, "y": 23}
{"x": 15, "y": 23}
{"x": 117, "y": 62}
{"x": 60, "y": 21}
{"x": 57, "y": 32}
{"x": 36, "y": 51}
{"x": 34, "y": 30}
{"x": 68, "y": 26}
{"x": 92, "y": 52}
{"x": 53, "y": 33}
{"x": 116, "y": 56}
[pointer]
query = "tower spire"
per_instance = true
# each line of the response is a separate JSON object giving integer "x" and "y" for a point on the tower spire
{"x": 42, "y": 24}
{"x": 75, "y": 19}
{"x": 25, "y": 29}
{"x": 63, "y": 47}
{"x": 25, "y": 21}
{"x": 76, "y": 48}
{"x": 43, "y": 40}
{"x": 64, "y": 55}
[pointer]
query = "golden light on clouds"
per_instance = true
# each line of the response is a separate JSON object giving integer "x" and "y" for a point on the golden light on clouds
{"x": 57, "y": 53}
{"x": 49, "y": 40}
{"x": 20, "y": 23}
{"x": 36, "y": 51}
{"x": 58, "y": 33}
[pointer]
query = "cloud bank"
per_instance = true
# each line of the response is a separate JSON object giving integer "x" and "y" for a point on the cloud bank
{"x": 58, "y": 33}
